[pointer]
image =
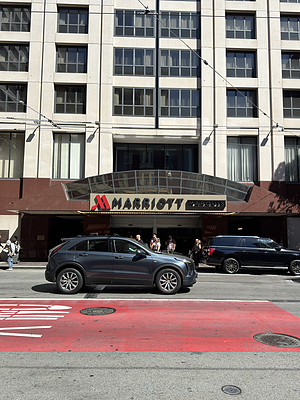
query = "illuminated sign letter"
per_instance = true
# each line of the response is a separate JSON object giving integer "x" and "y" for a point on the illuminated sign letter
{"x": 102, "y": 203}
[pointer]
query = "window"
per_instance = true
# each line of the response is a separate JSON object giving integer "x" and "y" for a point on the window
{"x": 242, "y": 159}
{"x": 290, "y": 28}
{"x": 240, "y": 26}
{"x": 181, "y": 24}
{"x": 70, "y": 99}
{"x": 72, "y": 20}
{"x": 179, "y": 103}
{"x": 133, "y": 156}
{"x": 100, "y": 245}
{"x": 11, "y": 155}
{"x": 292, "y": 159}
{"x": 133, "y": 101}
{"x": 179, "y": 63}
{"x": 133, "y": 62}
{"x": 122, "y": 246}
{"x": 12, "y": 98}
{"x": 289, "y": 1}
{"x": 68, "y": 156}
{"x": 240, "y": 64}
{"x": 290, "y": 65}
{"x": 291, "y": 104}
{"x": 241, "y": 104}
{"x": 133, "y": 23}
{"x": 71, "y": 59}
{"x": 15, "y": 18}
{"x": 14, "y": 58}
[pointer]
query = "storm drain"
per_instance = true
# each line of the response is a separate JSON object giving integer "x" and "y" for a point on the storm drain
{"x": 98, "y": 311}
{"x": 277, "y": 339}
{"x": 229, "y": 389}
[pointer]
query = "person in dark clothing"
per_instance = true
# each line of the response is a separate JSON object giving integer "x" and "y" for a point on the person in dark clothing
{"x": 138, "y": 239}
{"x": 196, "y": 252}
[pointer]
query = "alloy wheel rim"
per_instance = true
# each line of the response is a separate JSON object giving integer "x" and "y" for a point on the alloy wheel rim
{"x": 168, "y": 281}
{"x": 69, "y": 281}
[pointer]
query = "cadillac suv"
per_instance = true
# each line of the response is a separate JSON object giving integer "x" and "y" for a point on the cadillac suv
{"x": 113, "y": 260}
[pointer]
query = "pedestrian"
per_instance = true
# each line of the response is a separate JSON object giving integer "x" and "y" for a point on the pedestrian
{"x": 17, "y": 249}
{"x": 138, "y": 239}
{"x": 196, "y": 252}
{"x": 158, "y": 245}
{"x": 153, "y": 242}
{"x": 10, "y": 250}
{"x": 171, "y": 245}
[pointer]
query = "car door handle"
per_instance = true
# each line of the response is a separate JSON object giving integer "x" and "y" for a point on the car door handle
{"x": 83, "y": 255}
{"x": 119, "y": 257}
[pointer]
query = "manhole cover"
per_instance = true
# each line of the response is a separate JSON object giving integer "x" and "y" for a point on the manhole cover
{"x": 229, "y": 389}
{"x": 277, "y": 339}
{"x": 98, "y": 311}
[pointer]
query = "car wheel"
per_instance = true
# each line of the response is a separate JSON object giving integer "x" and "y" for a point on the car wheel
{"x": 168, "y": 281}
{"x": 295, "y": 267}
{"x": 231, "y": 266}
{"x": 69, "y": 281}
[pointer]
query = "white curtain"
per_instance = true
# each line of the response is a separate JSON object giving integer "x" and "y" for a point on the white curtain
{"x": 292, "y": 153}
{"x": 241, "y": 159}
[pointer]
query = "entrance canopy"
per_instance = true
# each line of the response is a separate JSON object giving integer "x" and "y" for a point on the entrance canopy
{"x": 157, "y": 182}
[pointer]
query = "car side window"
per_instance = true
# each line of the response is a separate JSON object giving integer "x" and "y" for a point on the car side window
{"x": 123, "y": 246}
{"x": 81, "y": 246}
{"x": 252, "y": 242}
{"x": 268, "y": 244}
{"x": 98, "y": 245}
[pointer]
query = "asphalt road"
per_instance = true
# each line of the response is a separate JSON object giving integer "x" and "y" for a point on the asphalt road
{"x": 154, "y": 375}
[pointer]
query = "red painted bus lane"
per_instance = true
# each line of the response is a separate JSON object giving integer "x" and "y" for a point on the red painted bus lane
{"x": 142, "y": 325}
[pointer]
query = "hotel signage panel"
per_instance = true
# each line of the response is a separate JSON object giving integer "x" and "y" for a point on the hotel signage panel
{"x": 159, "y": 203}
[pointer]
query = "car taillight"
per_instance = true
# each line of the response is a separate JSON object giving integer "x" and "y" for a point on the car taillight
{"x": 210, "y": 251}
{"x": 55, "y": 250}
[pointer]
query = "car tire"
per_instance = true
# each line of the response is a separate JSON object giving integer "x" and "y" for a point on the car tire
{"x": 168, "y": 281}
{"x": 231, "y": 265}
{"x": 69, "y": 281}
{"x": 295, "y": 267}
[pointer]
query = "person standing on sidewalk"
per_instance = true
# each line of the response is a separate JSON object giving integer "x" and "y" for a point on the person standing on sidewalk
{"x": 17, "y": 249}
{"x": 10, "y": 250}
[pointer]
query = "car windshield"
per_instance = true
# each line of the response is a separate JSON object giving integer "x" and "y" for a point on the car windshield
{"x": 268, "y": 243}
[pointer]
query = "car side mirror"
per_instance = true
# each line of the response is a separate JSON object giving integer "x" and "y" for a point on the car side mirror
{"x": 140, "y": 253}
{"x": 279, "y": 247}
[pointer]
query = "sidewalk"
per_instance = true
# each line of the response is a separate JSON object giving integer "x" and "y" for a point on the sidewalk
{"x": 25, "y": 265}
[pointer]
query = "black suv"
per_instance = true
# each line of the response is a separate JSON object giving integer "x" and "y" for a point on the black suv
{"x": 233, "y": 252}
{"x": 113, "y": 260}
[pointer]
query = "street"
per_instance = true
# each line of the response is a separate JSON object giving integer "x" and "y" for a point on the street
{"x": 190, "y": 345}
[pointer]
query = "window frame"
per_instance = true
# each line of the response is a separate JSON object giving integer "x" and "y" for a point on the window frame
{"x": 194, "y": 94}
{"x": 252, "y": 103}
{"x": 290, "y": 72}
{"x": 25, "y": 13}
{"x": 289, "y": 34}
{"x": 18, "y": 136}
{"x": 71, "y": 27}
{"x": 126, "y": 104}
{"x": 148, "y": 70}
{"x": 18, "y": 99}
{"x": 245, "y": 69}
{"x": 10, "y": 50}
{"x": 292, "y": 161}
{"x": 193, "y": 68}
{"x": 67, "y": 64}
{"x": 240, "y": 142}
{"x": 142, "y": 25}
{"x": 57, "y": 155}
{"x": 235, "y": 31}
{"x": 166, "y": 30}
{"x": 67, "y": 89}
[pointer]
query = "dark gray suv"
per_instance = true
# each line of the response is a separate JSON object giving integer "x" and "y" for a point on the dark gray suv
{"x": 113, "y": 260}
{"x": 234, "y": 252}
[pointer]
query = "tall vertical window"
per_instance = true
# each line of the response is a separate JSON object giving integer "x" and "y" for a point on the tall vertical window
{"x": 14, "y": 57}
{"x": 290, "y": 65}
{"x": 179, "y": 63}
{"x": 240, "y": 26}
{"x": 14, "y": 18}
{"x": 241, "y": 104}
{"x": 242, "y": 159}
{"x": 133, "y": 101}
{"x": 11, "y": 155}
{"x": 68, "y": 156}
{"x": 133, "y": 62}
{"x": 291, "y": 104}
{"x": 292, "y": 159}
{"x": 179, "y": 103}
{"x": 13, "y": 98}
{"x": 133, "y": 23}
{"x": 184, "y": 25}
{"x": 72, "y": 20}
{"x": 70, "y": 99}
{"x": 290, "y": 28}
{"x": 71, "y": 59}
{"x": 240, "y": 64}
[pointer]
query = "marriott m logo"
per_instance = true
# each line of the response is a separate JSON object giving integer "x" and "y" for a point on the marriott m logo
{"x": 101, "y": 202}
